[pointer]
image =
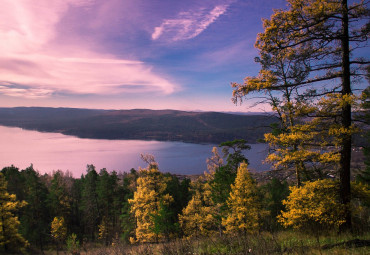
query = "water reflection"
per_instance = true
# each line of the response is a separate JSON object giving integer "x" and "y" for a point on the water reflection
{"x": 53, "y": 151}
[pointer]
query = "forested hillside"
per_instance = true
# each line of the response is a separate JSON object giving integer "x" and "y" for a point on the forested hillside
{"x": 163, "y": 125}
{"x": 312, "y": 73}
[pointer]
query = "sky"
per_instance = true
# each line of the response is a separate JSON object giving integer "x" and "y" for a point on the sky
{"x": 125, "y": 54}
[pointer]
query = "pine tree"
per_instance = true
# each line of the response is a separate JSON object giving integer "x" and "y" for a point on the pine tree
{"x": 127, "y": 218}
{"x": 274, "y": 192}
{"x": 10, "y": 239}
{"x": 59, "y": 197}
{"x": 220, "y": 176}
{"x": 90, "y": 208}
{"x": 35, "y": 216}
{"x": 163, "y": 222}
{"x": 245, "y": 210}
{"x": 110, "y": 199}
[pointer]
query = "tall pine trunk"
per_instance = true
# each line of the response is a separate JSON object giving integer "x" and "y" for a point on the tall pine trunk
{"x": 345, "y": 158}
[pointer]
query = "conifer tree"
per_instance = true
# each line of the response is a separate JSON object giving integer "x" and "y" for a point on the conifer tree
{"x": 147, "y": 201}
{"x": 318, "y": 39}
{"x": 274, "y": 192}
{"x": 163, "y": 222}
{"x": 245, "y": 210}
{"x": 198, "y": 217}
{"x": 10, "y": 239}
{"x": 59, "y": 231}
{"x": 109, "y": 197}
{"x": 167, "y": 219}
{"x": 224, "y": 175}
{"x": 220, "y": 176}
{"x": 59, "y": 198}
{"x": 35, "y": 216}
{"x": 314, "y": 207}
{"x": 91, "y": 214}
{"x": 127, "y": 218}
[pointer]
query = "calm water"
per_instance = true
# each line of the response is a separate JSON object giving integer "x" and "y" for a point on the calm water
{"x": 53, "y": 151}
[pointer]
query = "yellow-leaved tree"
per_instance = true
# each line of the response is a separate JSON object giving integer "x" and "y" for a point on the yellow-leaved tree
{"x": 104, "y": 227}
{"x": 245, "y": 208}
{"x": 314, "y": 207}
{"x": 198, "y": 217}
{"x": 308, "y": 57}
{"x": 59, "y": 231}
{"x": 147, "y": 201}
{"x": 10, "y": 239}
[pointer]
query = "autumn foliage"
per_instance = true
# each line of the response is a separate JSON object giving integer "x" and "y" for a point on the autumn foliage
{"x": 315, "y": 206}
{"x": 307, "y": 55}
{"x": 244, "y": 204}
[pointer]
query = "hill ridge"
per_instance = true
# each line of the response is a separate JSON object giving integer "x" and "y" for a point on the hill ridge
{"x": 141, "y": 124}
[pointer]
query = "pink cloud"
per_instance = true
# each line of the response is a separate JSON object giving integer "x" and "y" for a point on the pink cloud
{"x": 34, "y": 57}
{"x": 88, "y": 75}
{"x": 188, "y": 24}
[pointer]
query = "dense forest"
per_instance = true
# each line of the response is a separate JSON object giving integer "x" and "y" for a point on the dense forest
{"x": 162, "y": 125}
{"x": 315, "y": 81}
{"x": 110, "y": 212}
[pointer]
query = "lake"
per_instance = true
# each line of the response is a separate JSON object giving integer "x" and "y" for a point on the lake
{"x": 54, "y": 151}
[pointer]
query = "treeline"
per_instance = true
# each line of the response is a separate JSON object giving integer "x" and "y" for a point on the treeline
{"x": 309, "y": 67}
{"x": 161, "y": 125}
{"x": 58, "y": 211}
{"x": 51, "y": 209}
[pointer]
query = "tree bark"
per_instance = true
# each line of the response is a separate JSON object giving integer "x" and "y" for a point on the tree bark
{"x": 345, "y": 155}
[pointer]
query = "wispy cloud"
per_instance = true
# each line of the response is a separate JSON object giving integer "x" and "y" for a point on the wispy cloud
{"x": 188, "y": 24}
{"x": 15, "y": 91}
{"x": 87, "y": 75}
{"x": 32, "y": 56}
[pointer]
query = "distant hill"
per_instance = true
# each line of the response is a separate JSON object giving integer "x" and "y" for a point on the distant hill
{"x": 143, "y": 124}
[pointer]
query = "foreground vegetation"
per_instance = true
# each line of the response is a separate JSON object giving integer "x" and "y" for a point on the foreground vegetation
{"x": 148, "y": 212}
{"x": 225, "y": 211}
{"x": 286, "y": 242}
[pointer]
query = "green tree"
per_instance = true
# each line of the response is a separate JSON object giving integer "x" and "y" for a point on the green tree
{"x": 90, "y": 207}
{"x": 275, "y": 191}
{"x": 236, "y": 156}
{"x": 59, "y": 197}
{"x": 320, "y": 37}
{"x": 163, "y": 222}
{"x": 223, "y": 176}
{"x": 245, "y": 207}
{"x": 15, "y": 181}
{"x": 35, "y": 217}
{"x": 75, "y": 224}
{"x": 109, "y": 195}
{"x": 127, "y": 217}
{"x": 167, "y": 218}
{"x": 73, "y": 244}
{"x": 10, "y": 239}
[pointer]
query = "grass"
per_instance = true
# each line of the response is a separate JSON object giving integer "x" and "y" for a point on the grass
{"x": 284, "y": 242}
